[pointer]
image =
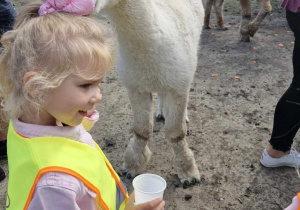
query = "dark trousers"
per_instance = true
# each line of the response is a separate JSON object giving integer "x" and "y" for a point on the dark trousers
{"x": 287, "y": 112}
{"x": 7, "y": 17}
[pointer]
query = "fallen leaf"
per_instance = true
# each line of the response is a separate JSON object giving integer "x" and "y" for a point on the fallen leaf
{"x": 236, "y": 77}
{"x": 253, "y": 62}
{"x": 254, "y": 48}
{"x": 275, "y": 34}
{"x": 214, "y": 75}
{"x": 224, "y": 51}
{"x": 292, "y": 42}
{"x": 281, "y": 45}
{"x": 288, "y": 31}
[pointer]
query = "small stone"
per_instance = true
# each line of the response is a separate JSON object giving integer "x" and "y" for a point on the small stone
{"x": 176, "y": 185}
{"x": 109, "y": 142}
{"x": 187, "y": 197}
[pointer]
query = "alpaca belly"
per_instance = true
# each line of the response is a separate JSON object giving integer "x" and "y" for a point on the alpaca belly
{"x": 155, "y": 73}
{"x": 158, "y": 45}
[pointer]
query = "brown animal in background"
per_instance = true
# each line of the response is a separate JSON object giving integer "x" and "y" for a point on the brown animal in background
{"x": 218, "y": 5}
{"x": 247, "y": 28}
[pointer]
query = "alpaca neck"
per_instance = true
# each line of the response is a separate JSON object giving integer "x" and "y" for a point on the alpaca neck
{"x": 132, "y": 17}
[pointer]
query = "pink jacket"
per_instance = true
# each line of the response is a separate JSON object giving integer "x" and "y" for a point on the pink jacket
{"x": 291, "y": 5}
{"x": 295, "y": 204}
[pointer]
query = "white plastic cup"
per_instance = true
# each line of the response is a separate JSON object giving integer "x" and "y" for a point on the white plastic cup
{"x": 148, "y": 187}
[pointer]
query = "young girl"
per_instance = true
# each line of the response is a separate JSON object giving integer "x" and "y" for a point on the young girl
{"x": 51, "y": 67}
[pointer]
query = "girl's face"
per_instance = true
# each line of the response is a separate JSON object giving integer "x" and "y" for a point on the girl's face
{"x": 70, "y": 102}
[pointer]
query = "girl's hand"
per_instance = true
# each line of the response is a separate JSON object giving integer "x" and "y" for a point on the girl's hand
{"x": 157, "y": 204}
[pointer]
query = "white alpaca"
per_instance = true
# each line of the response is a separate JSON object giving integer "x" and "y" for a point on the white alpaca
{"x": 158, "y": 43}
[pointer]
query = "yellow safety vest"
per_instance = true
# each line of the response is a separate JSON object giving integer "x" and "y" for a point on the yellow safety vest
{"x": 30, "y": 158}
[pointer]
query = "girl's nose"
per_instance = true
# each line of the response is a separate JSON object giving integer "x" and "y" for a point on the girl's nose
{"x": 96, "y": 98}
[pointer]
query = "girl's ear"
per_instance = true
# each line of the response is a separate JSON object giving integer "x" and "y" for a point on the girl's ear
{"x": 28, "y": 84}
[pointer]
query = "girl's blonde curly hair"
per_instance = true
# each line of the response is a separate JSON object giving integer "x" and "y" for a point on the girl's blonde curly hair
{"x": 55, "y": 46}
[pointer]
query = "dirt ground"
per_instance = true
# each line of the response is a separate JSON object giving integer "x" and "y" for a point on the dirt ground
{"x": 230, "y": 120}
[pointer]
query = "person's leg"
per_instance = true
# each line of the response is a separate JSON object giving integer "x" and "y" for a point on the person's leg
{"x": 7, "y": 17}
{"x": 286, "y": 122}
{"x": 3, "y": 152}
{"x": 3, "y": 148}
{"x": 2, "y": 174}
{"x": 287, "y": 112}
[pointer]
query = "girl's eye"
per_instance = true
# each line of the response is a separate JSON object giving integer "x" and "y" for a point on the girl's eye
{"x": 85, "y": 85}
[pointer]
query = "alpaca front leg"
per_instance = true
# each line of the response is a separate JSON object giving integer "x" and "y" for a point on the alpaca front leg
{"x": 185, "y": 163}
{"x": 137, "y": 154}
{"x": 265, "y": 8}
{"x": 246, "y": 18}
{"x": 136, "y": 157}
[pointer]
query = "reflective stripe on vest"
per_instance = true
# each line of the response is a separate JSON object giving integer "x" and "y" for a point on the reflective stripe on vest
{"x": 29, "y": 159}
{"x": 298, "y": 194}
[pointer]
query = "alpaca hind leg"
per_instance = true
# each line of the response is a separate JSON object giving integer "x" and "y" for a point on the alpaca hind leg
{"x": 246, "y": 18}
{"x": 265, "y": 8}
{"x": 185, "y": 163}
{"x": 137, "y": 153}
{"x": 208, "y": 7}
{"x": 160, "y": 107}
{"x": 187, "y": 119}
{"x": 219, "y": 13}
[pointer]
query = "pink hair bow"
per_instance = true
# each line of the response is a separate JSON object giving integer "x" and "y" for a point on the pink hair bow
{"x": 80, "y": 7}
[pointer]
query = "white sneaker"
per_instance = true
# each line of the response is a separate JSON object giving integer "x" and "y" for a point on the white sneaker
{"x": 291, "y": 160}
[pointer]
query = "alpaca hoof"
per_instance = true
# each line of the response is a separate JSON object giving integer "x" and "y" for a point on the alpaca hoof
{"x": 160, "y": 118}
{"x": 222, "y": 28}
{"x": 124, "y": 172}
{"x": 136, "y": 157}
{"x": 189, "y": 177}
{"x": 252, "y": 29}
{"x": 244, "y": 33}
{"x": 206, "y": 27}
{"x": 245, "y": 38}
{"x": 128, "y": 175}
{"x": 185, "y": 163}
{"x": 186, "y": 184}
{"x": 194, "y": 181}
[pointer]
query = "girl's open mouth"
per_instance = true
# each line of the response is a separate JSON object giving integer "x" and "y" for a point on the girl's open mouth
{"x": 83, "y": 113}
